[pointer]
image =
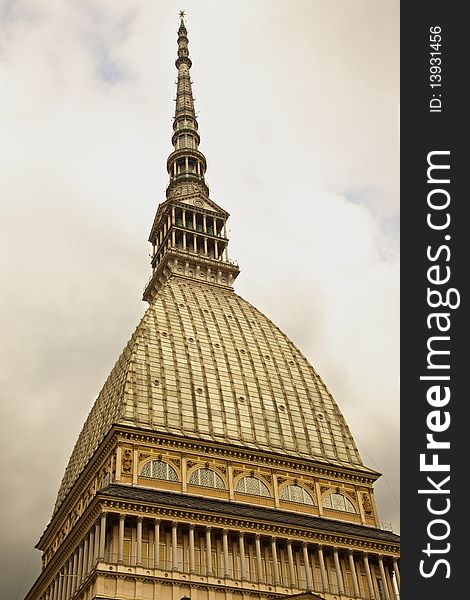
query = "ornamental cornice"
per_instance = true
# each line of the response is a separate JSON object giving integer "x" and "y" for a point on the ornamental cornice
{"x": 235, "y": 456}
{"x": 66, "y": 548}
{"x": 84, "y": 480}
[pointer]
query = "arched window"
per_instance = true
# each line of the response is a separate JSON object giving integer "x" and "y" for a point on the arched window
{"x": 296, "y": 493}
{"x": 338, "y": 502}
{"x": 253, "y": 486}
{"x": 158, "y": 469}
{"x": 206, "y": 478}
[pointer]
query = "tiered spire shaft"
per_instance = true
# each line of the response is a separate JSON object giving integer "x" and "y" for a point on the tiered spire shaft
{"x": 185, "y": 162}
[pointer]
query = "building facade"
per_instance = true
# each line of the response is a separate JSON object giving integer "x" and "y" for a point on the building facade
{"x": 214, "y": 464}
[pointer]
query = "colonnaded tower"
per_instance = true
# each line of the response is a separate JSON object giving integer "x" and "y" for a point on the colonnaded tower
{"x": 214, "y": 464}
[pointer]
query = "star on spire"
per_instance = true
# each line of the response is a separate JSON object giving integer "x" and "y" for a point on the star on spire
{"x": 182, "y": 14}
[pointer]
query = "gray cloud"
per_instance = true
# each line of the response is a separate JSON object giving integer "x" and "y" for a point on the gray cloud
{"x": 298, "y": 110}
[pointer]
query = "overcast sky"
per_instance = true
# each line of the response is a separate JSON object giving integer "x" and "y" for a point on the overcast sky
{"x": 298, "y": 115}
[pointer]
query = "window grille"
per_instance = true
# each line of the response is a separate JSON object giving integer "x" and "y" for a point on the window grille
{"x": 158, "y": 469}
{"x": 253, "y": 486}
{"x": 296, "y": 493}
{"x": 207, "y": 478}
{"x": 338, "y": 502}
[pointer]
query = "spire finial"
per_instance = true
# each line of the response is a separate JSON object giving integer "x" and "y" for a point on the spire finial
{"x": 182, "y": 14}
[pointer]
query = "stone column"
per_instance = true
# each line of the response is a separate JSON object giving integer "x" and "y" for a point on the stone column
{"x": 241, "y": 542}
{"x": 122, "y": 518}
{"x": 96, "y": 549}
{"x": 68, "y": 579}
{"x": 102, "y": 537}
{"x": 308, "y": 572}
{"x": 208, "y": 552}
{"x": 352, "y": 566}
{"x": 135, "y": 451}
{"x": 184, "y": 460}
{"x": 139, "y": 541}
{"x": 61, "y": 584}
{"x": 231, "y": 492}
{"x": 85, "y": 559}
{"x": 79, "y": 564}
{"x": 369, "y": 577}
{"x": 384, "y": 578}
{"x": 276, "y": 580}
{"x": 324, "y": 576}
{"x": 226, "y": 557}
{"x": 156, "y": 545}
{"x": 276, "y": 491}
{"x": 192, "y": 567}
{"x": 290, "y": 558}
{"x": 74, "y": 573}
{"x": 396, "y": 571}
{"x": 91, "y": 549}
{"x": 319, "y": 496}
{"x": 339, "y": 575}
{"x": 174, "y": 546}
{"x": 259, "y": 562}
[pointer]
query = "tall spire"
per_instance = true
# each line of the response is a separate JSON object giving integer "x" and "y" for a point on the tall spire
{"x": 189, "y": 233}
{"x": 186, "y": 161}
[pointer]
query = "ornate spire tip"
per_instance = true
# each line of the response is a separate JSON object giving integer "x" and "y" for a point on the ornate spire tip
{"x": 182, "y": 14}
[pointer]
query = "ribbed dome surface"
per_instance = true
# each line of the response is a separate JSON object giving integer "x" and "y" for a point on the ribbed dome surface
{"x": 203, "y": 363}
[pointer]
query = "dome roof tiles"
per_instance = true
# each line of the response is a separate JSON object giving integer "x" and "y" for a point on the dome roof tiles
{"x": 205, "y": 364}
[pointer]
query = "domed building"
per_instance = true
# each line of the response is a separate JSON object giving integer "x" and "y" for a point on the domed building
{"x": 214, "y": 464}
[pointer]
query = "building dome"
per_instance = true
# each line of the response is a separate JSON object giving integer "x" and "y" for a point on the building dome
{"x": 203, "y": 363}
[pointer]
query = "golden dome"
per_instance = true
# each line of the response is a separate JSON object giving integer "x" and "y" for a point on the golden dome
{"x": 205, "y": 364}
